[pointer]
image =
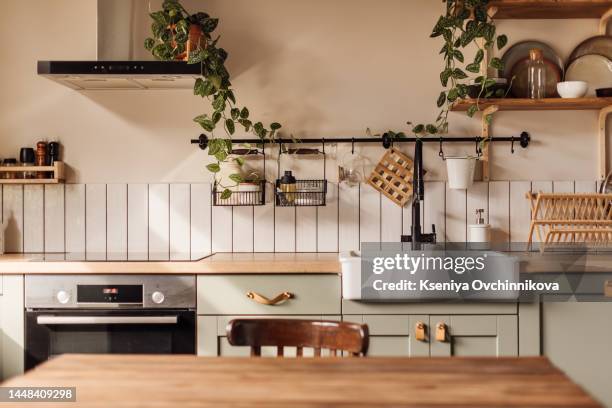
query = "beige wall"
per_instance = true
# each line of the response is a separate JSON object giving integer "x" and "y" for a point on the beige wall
{"x": 321, "y": 67}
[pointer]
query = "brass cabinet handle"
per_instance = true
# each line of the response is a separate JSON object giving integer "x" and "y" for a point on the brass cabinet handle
{"x": 420, "y": 331}
{"x": 270, "y": 302}
{"x": 441, "y": 332}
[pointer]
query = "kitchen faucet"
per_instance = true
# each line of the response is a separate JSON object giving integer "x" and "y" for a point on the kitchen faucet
{"x": 417, "y": 237}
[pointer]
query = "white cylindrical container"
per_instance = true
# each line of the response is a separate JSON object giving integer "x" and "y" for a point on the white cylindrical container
{"x": 351, "y": 275}
{"x": 460, "y": 171}
{"x": 479, "y": 233}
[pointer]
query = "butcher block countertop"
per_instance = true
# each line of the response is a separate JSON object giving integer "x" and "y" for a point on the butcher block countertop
{"x": 213, "y": 264}
{"x": 189, "y": 381}
{"x": 299, "y": 263}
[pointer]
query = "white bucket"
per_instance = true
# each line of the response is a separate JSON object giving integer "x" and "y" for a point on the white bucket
{"x": 460, "y": 171}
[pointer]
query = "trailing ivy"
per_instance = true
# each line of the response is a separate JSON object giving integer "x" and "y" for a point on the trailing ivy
{"x": 465, "y": 22}
{"x": 170, "y": 33}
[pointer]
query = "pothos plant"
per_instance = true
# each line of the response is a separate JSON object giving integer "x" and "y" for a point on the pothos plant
{"x": 180, "y": 35}
{"x": 465, "y": 23}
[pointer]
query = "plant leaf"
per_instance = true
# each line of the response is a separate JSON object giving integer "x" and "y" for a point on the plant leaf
{"x": 229, "y": 124}
{"x": 213, "y": 167}
{"x": 473, "y": 67}
{"x": 275, "y": 126}
{"x": 441, "y": 99}
{"x": 244, "y": 113}
{"x": 496, "y": 63}
{"x": 502, "y": 40}
{"x": 227, "y": 193}
{"x": 236, "y": 178}
{"x": 472, "y": 110}
{"x": 479, "y": 57}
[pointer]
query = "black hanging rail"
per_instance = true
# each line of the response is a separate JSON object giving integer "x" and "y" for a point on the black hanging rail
{"x": 387, "y": 141}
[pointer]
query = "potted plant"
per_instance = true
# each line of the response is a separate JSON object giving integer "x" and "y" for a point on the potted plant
{"x": 180, "y": 35}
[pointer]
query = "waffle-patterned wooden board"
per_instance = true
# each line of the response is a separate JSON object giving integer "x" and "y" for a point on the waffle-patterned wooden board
{"x": 393, "y": 177}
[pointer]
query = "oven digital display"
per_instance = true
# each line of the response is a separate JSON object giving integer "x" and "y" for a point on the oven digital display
{"x": 109, "y": 293}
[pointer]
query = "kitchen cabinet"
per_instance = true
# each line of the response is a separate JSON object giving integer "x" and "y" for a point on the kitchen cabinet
{"x": 471, "y": 329}
{"x": 444, "y": 335}
{"x": 212, "y": 338}
{"x": 576, "y": 338}
{"x": 11, "y": 326}
{"x": 394, "y": 335}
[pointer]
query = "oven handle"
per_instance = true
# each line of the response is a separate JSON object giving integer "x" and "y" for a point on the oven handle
{"x": 71, "y": 320}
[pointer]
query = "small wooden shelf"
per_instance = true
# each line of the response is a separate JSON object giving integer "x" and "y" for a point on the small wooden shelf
{"x": 513, "y": 104}
{"x": 57, "y": 171}
{"x": 550, "y": 9}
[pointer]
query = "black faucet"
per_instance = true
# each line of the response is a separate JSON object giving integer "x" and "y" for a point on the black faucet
{"x": 417, "y": 237}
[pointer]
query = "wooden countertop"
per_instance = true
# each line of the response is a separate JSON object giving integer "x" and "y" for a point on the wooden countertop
{"x": 213, "y": 264}
{"x": 236, "y": 263}
{"x": 189, "y": 381}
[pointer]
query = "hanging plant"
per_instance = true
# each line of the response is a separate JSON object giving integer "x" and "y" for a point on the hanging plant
{"x": 465, "y": 22}
{"x": 179, "y": 35}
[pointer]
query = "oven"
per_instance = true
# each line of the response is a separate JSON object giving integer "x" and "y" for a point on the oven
{"x": 108, "y": 314}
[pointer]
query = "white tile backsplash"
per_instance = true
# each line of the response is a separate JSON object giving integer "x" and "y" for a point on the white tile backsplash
{"x": 176, "y": 221}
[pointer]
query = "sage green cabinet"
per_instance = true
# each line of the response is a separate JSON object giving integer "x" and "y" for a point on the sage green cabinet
{"x": 212, "y": 338}
{"x": 576, "y": 338}
{"x": 11, "y": 326}
{"x": 475, "y": 335}
{"x": 464, "y": 335}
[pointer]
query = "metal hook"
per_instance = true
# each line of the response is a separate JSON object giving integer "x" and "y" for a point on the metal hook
{"x": 441, "y": 153}
{"x": 478, "y": 149}
{"x": 323, "y": 144}
{"x": 352, "y": 145}
{"x": 512, "y": 145}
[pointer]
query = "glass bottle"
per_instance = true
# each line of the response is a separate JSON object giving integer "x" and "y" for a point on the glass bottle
{"x": 536, "y": 74}
{"x": 288, "y": 186}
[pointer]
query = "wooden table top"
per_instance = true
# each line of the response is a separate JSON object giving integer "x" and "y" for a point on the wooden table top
{"x": 188, "y": 381}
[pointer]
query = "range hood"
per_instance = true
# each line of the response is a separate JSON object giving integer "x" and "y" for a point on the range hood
{"x": 105, "y": 75}
{"x": 121, "y": 58}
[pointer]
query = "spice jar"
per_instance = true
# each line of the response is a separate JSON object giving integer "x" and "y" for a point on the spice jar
{"x": 9, "y": 174}
{"x": 41, "y": 159}
{"x": 26, "y": 156}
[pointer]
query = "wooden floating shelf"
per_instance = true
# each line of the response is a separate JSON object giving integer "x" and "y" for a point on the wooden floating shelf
{"x": 512, "y": 104}
{"x": 57, "y": 169}
{"x": 550, "y": 9}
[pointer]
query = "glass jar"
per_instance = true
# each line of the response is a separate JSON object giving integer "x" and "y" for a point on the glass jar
{"x": 536, "y": 74}
{"x": 9, "y": 174}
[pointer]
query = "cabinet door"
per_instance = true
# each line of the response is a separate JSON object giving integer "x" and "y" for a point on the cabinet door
{"x": 212, "y": 338}
{"x": 394, "y": 335}
{"x": 485, "y": 335}
{"x": 11, "y": 326}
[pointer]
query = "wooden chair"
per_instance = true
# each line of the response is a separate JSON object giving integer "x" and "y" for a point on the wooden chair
{"x": 280, "y": 333}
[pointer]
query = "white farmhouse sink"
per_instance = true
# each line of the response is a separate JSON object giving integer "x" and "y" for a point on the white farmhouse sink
{"x": 351, "y": 274}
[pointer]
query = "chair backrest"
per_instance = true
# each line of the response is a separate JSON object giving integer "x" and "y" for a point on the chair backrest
{"x": 319, "y": 335}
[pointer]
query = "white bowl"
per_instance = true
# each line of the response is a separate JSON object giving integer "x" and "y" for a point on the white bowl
{"x": 572, "y": 89}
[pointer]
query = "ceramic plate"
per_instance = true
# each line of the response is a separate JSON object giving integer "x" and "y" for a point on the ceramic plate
{"x": 520, "y": 51}
{"x": 599, "y": 45}
{"x": 596, "y": 70}
{"x": 520, "y": 86}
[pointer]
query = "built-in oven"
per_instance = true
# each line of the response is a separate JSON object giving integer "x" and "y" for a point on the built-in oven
{"x": 103, "y": 314}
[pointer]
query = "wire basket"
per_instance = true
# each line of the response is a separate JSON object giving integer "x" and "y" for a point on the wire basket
{"x": 240, "y": 198}
{"x": 308, "y": 193}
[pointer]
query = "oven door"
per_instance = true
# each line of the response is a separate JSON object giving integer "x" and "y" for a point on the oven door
{"x": 54, "y": 332}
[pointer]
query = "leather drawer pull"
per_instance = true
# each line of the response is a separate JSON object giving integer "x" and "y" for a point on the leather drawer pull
{"x": 270, "y": 302}
{"x": 420, "y": 331}
{"x": 441, "y": 332}
{"x": 608, "y": 289}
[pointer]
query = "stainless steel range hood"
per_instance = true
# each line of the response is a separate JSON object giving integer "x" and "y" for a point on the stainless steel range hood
{"x": 121, "y": 59}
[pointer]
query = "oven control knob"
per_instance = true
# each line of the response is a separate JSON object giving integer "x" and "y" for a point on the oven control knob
{"x": 63, "y": 297}
{"x": 158, "y": 297}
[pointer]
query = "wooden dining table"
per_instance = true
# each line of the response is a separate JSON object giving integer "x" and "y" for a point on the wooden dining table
{"x": 105, "y": 381}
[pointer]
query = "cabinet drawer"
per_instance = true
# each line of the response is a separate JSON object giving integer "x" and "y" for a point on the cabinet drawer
{"x": 227, "y": 294}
